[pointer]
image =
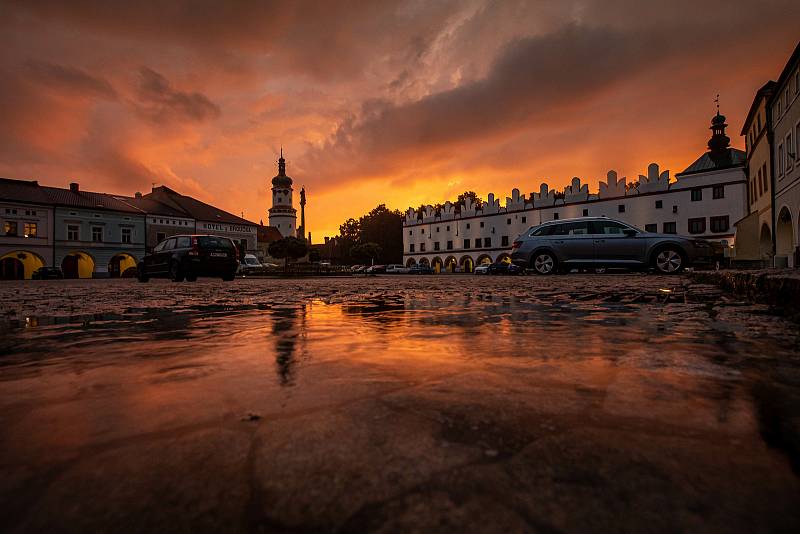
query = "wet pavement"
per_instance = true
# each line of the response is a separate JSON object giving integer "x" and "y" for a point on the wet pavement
{"x": 449, "y": 403}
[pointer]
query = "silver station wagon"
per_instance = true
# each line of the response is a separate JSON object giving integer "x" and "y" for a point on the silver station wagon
{"x": 594, "y": 242}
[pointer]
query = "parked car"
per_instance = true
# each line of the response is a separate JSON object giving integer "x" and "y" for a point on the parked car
{"x": 250, "y": 265}
{"x": 420, "y": 269}
{"x": 190, "y": 256}
{"x": 396, "y": 268}
{"x": 357, "y": 268}
{"x": 482, "y": 268}
{"x": 47, "y": 273}
{"x": 505, "y": 268}
{"x": 375, "y": 269}
{"x": 596, "y": 242}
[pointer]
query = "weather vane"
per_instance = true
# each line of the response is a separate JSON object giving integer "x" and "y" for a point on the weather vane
{"x": 716, "y": 101}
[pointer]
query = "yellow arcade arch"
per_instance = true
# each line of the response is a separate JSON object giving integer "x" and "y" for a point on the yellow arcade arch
{"x": 29, "y": 261}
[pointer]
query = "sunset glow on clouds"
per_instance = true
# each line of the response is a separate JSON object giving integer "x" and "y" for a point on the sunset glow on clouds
{"x": 374, "y": 102}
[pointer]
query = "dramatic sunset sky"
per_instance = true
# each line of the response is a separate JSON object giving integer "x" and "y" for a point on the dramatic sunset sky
{"x": 396, "y": 102}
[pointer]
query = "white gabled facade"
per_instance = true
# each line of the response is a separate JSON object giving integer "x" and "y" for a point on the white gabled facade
{"x": 703, "y": 201}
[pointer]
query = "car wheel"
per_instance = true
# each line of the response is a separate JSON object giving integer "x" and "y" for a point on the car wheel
{"x": 669, "y": 260}
{"x": 141, "y": 275}
{"x": 544, "y": 263}
{"x": 175, "y": 273}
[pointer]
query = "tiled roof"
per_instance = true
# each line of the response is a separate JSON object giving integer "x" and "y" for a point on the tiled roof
{"x": 87, "y": 199}
{"x": 22, "y": 191}
{"x": 732, "y": 157}
{"x": 152, "y": 206}
{"x": 193, "y": 207}
{"x": 268, "y": 234}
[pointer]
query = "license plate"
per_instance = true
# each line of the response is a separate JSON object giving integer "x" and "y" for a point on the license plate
{"x": 219, "y": 255}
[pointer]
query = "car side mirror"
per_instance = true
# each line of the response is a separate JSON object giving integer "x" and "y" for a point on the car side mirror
{"x": 629, "y": 232}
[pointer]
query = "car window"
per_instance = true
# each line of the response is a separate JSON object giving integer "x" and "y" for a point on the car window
{"x": 170, "y": 244}
{"x": 576, "y": 228}
{"x": 160, "y": 247}
{"x": 550, "y": 229}
{"x": 184, "y": 242}
{"x": 210, "y": 241}
{"x": 609, "y": 228}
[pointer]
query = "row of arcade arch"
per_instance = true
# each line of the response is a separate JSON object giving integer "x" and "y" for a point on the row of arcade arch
{"x": 22, "y": 264}
{"x": 464, "y": 264}
{"x": 786, "y": 235}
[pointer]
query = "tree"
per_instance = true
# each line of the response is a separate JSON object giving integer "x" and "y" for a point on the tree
{"x": 383, "y": 227}
{"x": 476, "y": 201}
{"x": 349, "y": 235}
{"x": 314, "y": 255}
{"x": 367, "y": 252}
{"x": 288, "y": 248}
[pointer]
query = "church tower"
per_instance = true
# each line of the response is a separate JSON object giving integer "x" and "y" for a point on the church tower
{"x": 282, "y": 214}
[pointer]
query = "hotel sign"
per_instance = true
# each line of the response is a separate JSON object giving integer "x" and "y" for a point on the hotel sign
{"x": 230, "y": 228}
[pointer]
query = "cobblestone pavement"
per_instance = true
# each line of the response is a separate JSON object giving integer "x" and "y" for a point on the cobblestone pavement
{"x": 566, "y": 403}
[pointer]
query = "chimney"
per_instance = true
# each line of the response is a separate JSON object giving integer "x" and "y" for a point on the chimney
{"x": 73, "y": 187}
{"x": 138, "y": 194}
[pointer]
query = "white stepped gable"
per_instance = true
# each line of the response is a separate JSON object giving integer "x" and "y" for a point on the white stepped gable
{"x": 492, "y": 205}
{"x": 652, "y": 182}
{"x": 411, "y": 216}
{"x": 545, "y": 197}
{"x": 576, "y": 192}
{"x": 469, "y": 208}
{"x": 613, "y": 186}
{"x": 429, "y": 214}
{"x": 516, "y": 201}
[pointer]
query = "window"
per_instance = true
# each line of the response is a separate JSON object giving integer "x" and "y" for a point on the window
{"x": 409, "y": 232}
{"x": 697, "y": 226}
{"x": 789, "y": 152}
{"x": 436, "y": 245}
{"x": 555, "y": 216}
{"x": 585, "y": 212}
{"x": 186, "y": 242}
{"x": 621, "y": 208}
{"x": 97, "y": 234}
{"x": 10, "y": 228}
{"x": 448, "y": 228}
{"x": 764, "y": 176}
{"x": 760, "y": 186}
{"x": 422, "y": 247}
{"x": 651, "y": 227}
{"x": 720, "y": 224}
{"x": 780, "y": 159}
{"x": 73, "y": 232}
{"x": 170, "y": 244}
{"x": 669, "y": 228}
{"x": 477, "y": 242}
{"x": 466, "y": 243}
{"x": 576, "y": 228}
{"x": 487, "y": 242}
{"x": 160, "y": 246}
{"x": 525, "y": 219}
{"x": 697, "y": 194}
{"x": 467, "y": 226}
{"x": 659, "y": 204}
{"x": 504, "y": 241}
{"x": 437, "y": 229}
{"x": 508, "y": 221}
{"x": 481, "y": 224}
{"x": 550, "y": 229}
{"x": 718, "y": 191}
{"x": 126, "y": 235}
{"x": 30, "y": 229}
{"x": 411, "y": 247}
{"x": 608, "y": 228}
{"x": 160, "y": 236}
{"x": 675, "y": 208}
{"x": 422, "y": 230}
{"x": 449, "y": 245}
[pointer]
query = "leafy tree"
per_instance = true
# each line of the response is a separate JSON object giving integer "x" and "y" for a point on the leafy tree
{"x": 314, "y": 255}
{"x": 385, "y": 228}
{"x": 288, "y": 248}
{"x": 349, "y": 235}
{"x": 476, "y": 200}
{"x": 366, "y": 252}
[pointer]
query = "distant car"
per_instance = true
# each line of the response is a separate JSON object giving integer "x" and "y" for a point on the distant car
{"x": 47, "y": 273}
{"x": 504, "y": 268}
{"x": 250, "y": 264}
{"x": 190, "y": 256}
{"x": 376, "y": 269}
{"x": 482, "y": 269}
{"x": 358, "y": 269}
{"x": 420, "y": 269}
{"x": 597, "y": 242}
{"x": 396, "y": 268}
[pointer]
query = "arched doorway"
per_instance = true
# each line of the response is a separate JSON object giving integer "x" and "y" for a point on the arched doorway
{"x": 484, "y": 259}
{"x": 503, "y": 258}
{"x": 450, "y": 264}
{"x": 424, "y": 261}
{"x": 411, "y": 262}
{"x": 77, "y": 265}
{"x": 437, "y": 264}
{"x": 784, "y": 239}
{"x": 467, "y": 265}
{"x": 765, "y": 242}
{"x": 19, "y": 265}
{"x": 122, "y": 265}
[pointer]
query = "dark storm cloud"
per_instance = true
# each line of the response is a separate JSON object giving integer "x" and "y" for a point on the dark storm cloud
{"x": 160, "y": 102}
{"x": 70, "y": 80}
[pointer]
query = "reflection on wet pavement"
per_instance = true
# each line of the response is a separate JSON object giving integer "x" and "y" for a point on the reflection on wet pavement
{"x": 480, "y": 404}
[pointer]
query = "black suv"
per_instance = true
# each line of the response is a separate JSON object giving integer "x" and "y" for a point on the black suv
{"x": 190, "y": 256}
